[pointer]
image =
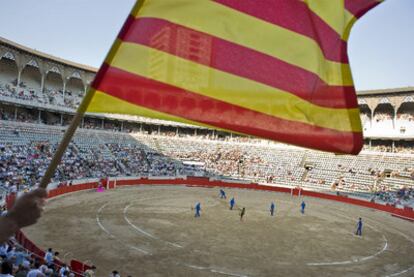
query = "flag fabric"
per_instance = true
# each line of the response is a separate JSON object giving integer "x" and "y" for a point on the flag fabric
{"x": 275, "y": 69}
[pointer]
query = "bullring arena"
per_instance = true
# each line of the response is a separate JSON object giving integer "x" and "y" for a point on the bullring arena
{"x": 148, "y": 227}
{"x": 150, "y": 230}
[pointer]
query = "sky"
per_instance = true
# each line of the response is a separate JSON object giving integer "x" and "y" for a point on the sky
{"x": 381, "y": 45}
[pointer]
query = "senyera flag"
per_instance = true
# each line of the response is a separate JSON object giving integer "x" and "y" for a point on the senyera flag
{"x": 275, "y": 69}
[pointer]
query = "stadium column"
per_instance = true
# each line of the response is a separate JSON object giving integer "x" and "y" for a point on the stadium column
{"x": 64, "y": 88}
{"x": 394, "y": 118}
{"x": 42, "y": 82}
{"x": 372, "y": 118}
{"x": 21, "y": 63}
{"x": 19, "y": 75}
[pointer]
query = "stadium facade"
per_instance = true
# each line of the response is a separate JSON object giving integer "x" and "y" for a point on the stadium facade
{"x": 39, "y": 94}
{"x": 49, "y": 89}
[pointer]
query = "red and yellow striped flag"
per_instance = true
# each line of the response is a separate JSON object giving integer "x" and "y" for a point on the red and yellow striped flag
{"x": 275, "y": 69}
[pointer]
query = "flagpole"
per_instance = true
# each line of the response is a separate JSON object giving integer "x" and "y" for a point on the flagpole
{"x": 67, "y": 137}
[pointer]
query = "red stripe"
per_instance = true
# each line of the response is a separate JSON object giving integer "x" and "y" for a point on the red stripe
{"x": 297, "y": 17}
{"x": 178, "y": 102}
{"x": 359, "y": 7}
{"x": 238, "y": 60}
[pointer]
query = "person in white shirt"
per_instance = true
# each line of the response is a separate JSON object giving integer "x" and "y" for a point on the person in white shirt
{"x": 49, "y": 257}
{"x": 63, "y": 269}
{"x": 36, "y": 272}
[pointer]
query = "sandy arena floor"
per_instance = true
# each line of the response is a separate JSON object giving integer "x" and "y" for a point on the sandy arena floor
{"x": 151, "y": 231}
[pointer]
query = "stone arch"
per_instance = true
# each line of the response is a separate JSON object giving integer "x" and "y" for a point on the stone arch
{"x": 8, "y": 68}
{"x": 406, "y": 111}
{"x": 54, "y": 80}
{"x": 384, "y": 110}
{"x": 31, "y": 76}
{"x": 365, "y": 113}
{"x": 365, "y": 109}
{"x": 74, "y": 85}
{"x": 74, "y": 90}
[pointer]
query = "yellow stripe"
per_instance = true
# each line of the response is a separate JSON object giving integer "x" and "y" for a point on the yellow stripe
{"x": 333, "y": 12}
{"x": 99, "y": 104}
{"x": 105, "y": 103}
{"x": 138, "y": 59}
{"x": 248, "y": 31}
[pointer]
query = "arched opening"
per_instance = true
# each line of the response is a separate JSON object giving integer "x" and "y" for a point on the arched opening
{"x": 54, "y": 81}
{"x": 31, "y": 77}
{"x": 405, "y": 118}
{"x": 406, "y": 111}
{"x": 383, "y": 112}
{"x": 8, "y": 69}
{"x": 365, "y": 113}
{"x": 54, "y": 88}
{"x": 74, "y": 92}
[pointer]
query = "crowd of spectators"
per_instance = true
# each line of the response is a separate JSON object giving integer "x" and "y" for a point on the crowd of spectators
{"x": 409, "y": 116}
{"x": 22, "y": 166}
{"x": 398, "y": 197}
{"x": 18, "y": 262}
{"x": 400, "y": 147}
{"x": 21, "y": 92}
{"x": 49, "y": 96}
{"x": 379, "y": 117}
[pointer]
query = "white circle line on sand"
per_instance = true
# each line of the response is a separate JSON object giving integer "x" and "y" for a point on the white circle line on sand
{"x": 215, "y": 270}
{"x": 401, "y": 272}
{"x": 134, "y": 226}
{"x": 395, "y": 230}
{"x": 142, "y": 231}
{"x": 357, "y": 260}
{"x": 98, "y": 221}
{"x": 363, "y": 259}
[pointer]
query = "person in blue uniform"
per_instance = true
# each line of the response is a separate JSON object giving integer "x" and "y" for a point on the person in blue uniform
{"x": 232, "y": 202}
{"x": 272, "y": 208}
{"x": 302, "y": 207}
{"x": 197, "y": 209}
{"x": 359, "y": 227}
{"x": 222, "y": 194}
